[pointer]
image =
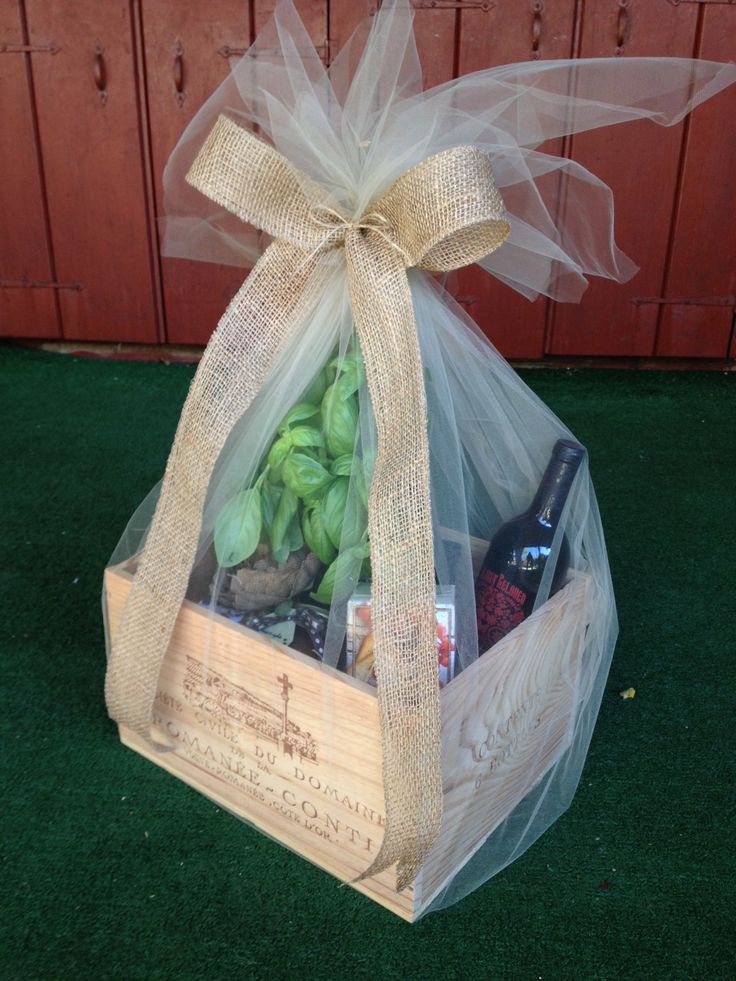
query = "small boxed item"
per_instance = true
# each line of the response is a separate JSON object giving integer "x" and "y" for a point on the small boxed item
{"x": 360, "y": 640}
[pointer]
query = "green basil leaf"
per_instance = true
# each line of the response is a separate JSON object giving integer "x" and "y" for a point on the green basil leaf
{"x": 341, "y": 578}
{"x": 285, "y": 512}
{"x": 316, "y": 536}
{"x": 306, "y": 436}
{"x": 339, "y": 421}
{"x": 238, "y": 528}
{"x": 303, "y": 475}
{"x": 348, "y": 383}
{"x": 343, "y": 465}
{"x": 294, "y": 536}
{"x": 350, "y": 374}
{"x": 350, "y": 360}
{"x": 355, "y": 521}
{"x": 334, "y": 509}
{"x": 281, "y": 554}
{"x": 362, "y": 476}
{"x": 299, "y": 413}
{"x": 276, "y": 456}
{"x": 317, "y": 389}
{"x": 270, "y": 497}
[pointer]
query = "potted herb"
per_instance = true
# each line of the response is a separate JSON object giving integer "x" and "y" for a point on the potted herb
{"x": 304, "y": 515}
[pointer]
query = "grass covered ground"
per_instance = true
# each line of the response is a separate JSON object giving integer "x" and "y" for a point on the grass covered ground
{"x": 112, "y": 869}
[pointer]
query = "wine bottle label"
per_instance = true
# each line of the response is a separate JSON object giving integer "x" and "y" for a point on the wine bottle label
{"x": 500, "y": 607}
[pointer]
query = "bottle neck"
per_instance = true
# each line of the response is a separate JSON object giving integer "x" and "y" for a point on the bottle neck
{"x": 550, "y": 498}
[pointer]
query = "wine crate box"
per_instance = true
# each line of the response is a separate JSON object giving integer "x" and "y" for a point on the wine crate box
{"x": 247, "y": 718}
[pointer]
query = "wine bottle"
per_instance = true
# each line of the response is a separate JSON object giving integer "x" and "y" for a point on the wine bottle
{"x": 515, "y": 562}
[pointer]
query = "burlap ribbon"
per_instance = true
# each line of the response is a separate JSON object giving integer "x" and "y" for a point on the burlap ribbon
{"x": 442, "y": 214}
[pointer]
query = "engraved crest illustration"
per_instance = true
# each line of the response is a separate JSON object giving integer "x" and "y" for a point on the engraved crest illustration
{"x": 211, "y": 692}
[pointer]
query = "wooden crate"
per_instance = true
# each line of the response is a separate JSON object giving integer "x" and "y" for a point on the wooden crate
{"x": 247, "y": 716}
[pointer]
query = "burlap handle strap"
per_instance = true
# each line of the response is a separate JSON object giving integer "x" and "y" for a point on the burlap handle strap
{"x": 442, "y": 214}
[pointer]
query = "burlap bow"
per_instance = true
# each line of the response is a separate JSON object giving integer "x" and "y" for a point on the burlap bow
{"x": 442, "y": 214}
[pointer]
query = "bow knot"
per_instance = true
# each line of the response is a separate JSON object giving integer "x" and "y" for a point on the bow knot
{"x": 337, "y": 226}
{"x": 443, "y": 213}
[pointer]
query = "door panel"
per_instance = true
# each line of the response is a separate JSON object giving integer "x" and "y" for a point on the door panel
{"x": 510, "y": 31}
{"x": 91, "y": 145}
{"x": 703, "y": 259}
{"x": 434, "y": 29}
{"x": 640, "y": 162}
{"x": 186, "y": 59}
{"x": 515, "y": 30}
{"x": 24, "y": 253}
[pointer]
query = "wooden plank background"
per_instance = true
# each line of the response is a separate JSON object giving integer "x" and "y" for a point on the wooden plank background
{"x": 90, "y": 143}
{"x": 82, "y": 170}
{"x": 25, "y": 253}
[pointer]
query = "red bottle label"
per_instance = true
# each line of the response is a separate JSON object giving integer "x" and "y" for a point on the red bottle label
{"x": 499, "y": 606}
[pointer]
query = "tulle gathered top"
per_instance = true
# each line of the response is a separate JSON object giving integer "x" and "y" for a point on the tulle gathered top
{"x": 356, "y": 126}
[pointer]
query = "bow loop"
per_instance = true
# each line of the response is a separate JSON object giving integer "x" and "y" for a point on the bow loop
{"x": 250, "y": 178}
{"x": 446, "y": 211}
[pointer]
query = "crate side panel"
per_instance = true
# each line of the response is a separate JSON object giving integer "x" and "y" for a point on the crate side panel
{"x": 505, "y": 721}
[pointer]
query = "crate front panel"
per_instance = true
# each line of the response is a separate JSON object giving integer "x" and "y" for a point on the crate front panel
{"x": 262, "y": 730}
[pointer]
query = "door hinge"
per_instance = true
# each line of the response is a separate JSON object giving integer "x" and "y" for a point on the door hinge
{"x": 686, "y": 301}
{"x": 37, "y": 284}
{"x": 324, "y": 51}
{"x": 227, "y": 51}
{"x": 676, "y": 3}
{"x": 484, "y": 5}
{"x": 52, "y": 48}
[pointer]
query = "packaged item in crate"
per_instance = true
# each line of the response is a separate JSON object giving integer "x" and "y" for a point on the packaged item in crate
{"x": 361, "y": 641}
{"x": 349, "y": 426}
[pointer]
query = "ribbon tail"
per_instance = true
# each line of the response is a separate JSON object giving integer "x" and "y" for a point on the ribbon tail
{"x": 402, "y": 556}
{"x": 235, "y": 363}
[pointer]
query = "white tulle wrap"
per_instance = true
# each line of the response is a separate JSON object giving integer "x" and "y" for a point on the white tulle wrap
{"x": 354, "y": 129}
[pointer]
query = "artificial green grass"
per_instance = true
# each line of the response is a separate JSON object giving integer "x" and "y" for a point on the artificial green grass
{"x": 113, "y": 869}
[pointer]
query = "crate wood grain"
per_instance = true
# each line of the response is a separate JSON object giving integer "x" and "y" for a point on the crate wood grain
{"x": 294, "y": 747}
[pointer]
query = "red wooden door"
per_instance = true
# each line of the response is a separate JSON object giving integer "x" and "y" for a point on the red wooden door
{"x": 640, "y": 162}
{"x": 25, "y": 311}
{"x": 701, "y": 273}
{"x": 87, "y": 131}
{"x": 86, "y": 102}
{"x": 186, "y": 51}
{"x": 511, "y": 31}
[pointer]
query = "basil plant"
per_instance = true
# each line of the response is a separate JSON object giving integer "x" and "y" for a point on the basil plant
{"x": 301, "y": 492}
